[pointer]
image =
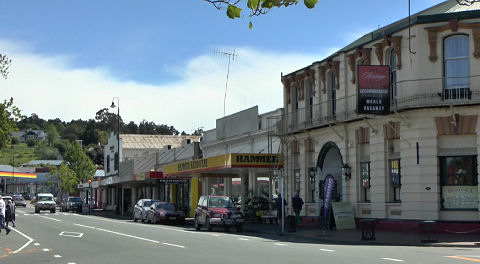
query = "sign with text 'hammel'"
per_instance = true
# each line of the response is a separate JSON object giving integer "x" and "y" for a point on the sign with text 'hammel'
{"x": 373, "y": 89}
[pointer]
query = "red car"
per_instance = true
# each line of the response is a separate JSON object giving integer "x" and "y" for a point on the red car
{"x": 164, "y": 212}
{"x": 218, "y": 211}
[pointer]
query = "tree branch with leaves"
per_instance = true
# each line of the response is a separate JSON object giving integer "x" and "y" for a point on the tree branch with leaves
{"x": 4, "y": 65}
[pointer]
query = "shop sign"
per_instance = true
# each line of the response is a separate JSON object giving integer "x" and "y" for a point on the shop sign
{"x": 18, "y": 174}
{"x": 173, "y": 181}
{"x": 460, "y": 197}
{"x": 255, "y": 160}
{"x": 328, "y": 192}
{"x": 107, "y": 181}
{"x": 95, "y": 184}
{"x": 140, "y": 176}
{"x": 373, "y": 89}
{"x": 343, "y": 215}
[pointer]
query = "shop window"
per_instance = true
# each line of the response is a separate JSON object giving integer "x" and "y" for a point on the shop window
{"x": 297, "y": 175}
{"x": 458, "y": 176}
{"x": 365, "y": 180}
{"x": 116, "y": 161}
{"x": 108, "y": 163}
{"x": 395, "y": 177}
{"x": 456, "y": 65}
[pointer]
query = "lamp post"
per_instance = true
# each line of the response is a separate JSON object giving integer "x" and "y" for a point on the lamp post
{"x": 117, "y": 158}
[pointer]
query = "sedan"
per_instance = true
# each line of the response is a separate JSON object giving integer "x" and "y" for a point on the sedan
{"x": 19, "y": 201}
{"x": 164, "y": 212}
{"x": 140, "y": 209}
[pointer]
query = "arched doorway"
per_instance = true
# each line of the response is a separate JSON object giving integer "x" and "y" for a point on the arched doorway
{"x": 329, "y": 162}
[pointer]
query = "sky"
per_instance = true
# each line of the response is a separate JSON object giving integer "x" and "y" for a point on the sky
{"x": 71, "y": 58}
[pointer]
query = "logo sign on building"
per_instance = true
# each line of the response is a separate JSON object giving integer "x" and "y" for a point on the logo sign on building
{"x": 373, "y": 89}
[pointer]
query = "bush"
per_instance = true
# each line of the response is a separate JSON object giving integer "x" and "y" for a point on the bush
{"x": 31, "y": 143}
{"x": 15, "y": 140}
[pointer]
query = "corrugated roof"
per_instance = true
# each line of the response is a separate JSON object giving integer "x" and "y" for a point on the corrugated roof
{"x": 463, "y": 8}
{"x": 135, "y": 141}
{"x": 99, "y": 173}
{"x": 34, "y": 163}
{"x": 8, "y": 168}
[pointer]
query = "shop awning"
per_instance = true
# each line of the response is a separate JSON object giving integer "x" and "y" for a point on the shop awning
{"x": 18, "y": 174}
{"x": 227, "y": 161}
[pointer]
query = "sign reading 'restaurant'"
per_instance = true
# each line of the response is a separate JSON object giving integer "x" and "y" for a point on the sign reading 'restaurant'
{"x": 373, "y": 89}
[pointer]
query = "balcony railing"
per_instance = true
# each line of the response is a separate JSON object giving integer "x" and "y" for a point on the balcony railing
{"x": 410, "y": 94}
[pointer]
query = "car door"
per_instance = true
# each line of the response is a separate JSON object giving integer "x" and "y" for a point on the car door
{"x": 204, "y": 209}
{"x": 138, "y": 209}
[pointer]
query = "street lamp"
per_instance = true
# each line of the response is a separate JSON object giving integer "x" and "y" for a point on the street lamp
{"x": 117, "y": 157}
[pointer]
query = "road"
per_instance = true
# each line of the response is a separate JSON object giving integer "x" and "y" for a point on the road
{"x": 72, "y": 238}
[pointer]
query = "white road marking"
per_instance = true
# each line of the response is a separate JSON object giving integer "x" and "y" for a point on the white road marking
{"x": 71, "y": 263}
{"x": 30, "y": 240}
{"x": 51, "y": 218}
{"x": 65, "y": 214}
{"x": 327, "y": 250}
{"x": 22, "y": 212}
{"x": 397, "y": 260}
{"x": 173, "y": 245}
{"x": 215, "y": 235}
{"x": 37, "y": 244}
{"x": 71, "y": 234}
{"x": 130, "y": 236}
{"x": 244, "y": 239}
{"x": 46, "y": 249}
{"x": 25, "y": 214}
{"x": 57, "y": 256}
{"x": 280, "y": 244}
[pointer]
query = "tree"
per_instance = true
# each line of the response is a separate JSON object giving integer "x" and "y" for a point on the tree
{"x": 90, "y": 134}
{"x": 52, "y": 134}
{"x": 4, "y": 65}
{"x": 79, "y": 162}
{"x": 44, "y": 152}
{"x": 9, "y": 115}
{"x": 64, "y": 178}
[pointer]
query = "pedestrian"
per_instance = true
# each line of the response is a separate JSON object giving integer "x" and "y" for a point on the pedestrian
{"x": 2, "y": 216}
{"x": 10, "y": 213}
{"x": 278, "y": 205}
{"x": 297, "y": 204}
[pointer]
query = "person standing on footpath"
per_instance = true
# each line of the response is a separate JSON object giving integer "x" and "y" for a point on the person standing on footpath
{"x": 2, "y": 216}
{"x": 297, "y": 204}
{"x": 278, "y": 205}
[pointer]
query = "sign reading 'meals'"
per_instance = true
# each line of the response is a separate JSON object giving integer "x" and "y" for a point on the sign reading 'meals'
{"x": 373, "y": 89}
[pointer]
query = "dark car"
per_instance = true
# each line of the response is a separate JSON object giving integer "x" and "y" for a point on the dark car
{"x": 140, "y": 209}
{"x": 19, "y": 201}
{"x": 72, "y": 203}
{"x": 27, "y": 196}
{"x": 218, "y": 211}
{"x": 163, "y": 212}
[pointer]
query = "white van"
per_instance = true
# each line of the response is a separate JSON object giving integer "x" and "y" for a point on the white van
{"x": 45, "y": 202}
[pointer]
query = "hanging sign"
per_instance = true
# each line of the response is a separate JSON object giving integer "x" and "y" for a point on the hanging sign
{"x": 373, "y": 89}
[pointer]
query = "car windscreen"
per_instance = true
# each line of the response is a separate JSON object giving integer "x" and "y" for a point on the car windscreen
{"x": 18, "y": 198}
{"x": 75, "y": 199}
{"x": 148, "y": 203}
{"x": 220, "y": 202}
{"x": 45, "y": 198}
{"x": 166, "y": 207}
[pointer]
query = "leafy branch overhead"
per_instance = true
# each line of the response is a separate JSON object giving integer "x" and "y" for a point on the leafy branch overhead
{"x": 4, "y": 65}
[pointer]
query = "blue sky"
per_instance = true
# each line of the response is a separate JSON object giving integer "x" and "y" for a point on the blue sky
{"x": 70, "y": 58}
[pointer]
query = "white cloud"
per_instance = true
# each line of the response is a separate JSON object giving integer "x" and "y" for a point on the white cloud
{"x": 50, "y": 87}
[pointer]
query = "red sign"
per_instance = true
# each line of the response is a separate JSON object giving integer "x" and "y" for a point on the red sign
{"x": 373, "y": 89}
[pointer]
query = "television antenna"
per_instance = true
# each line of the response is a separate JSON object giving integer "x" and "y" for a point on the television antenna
{"x": 232, "y": 56}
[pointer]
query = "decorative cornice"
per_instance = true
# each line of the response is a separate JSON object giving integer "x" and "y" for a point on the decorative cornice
{"x": 395, "y": 42}
{"x": 299, "y": 83}
{"x": 351, "y": 62}
{"x": 379, "y": 52}
{"x": 310, "y": 73}
{"x": 334, "y": 66}
{"x": 453, "y": 25}
{"x": 322, "y": 71}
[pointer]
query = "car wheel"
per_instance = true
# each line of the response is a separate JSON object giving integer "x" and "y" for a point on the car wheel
{"x": 37, "y": 211}
{"x": 52, "y": 211}
{"x": 239, "y": 228}
{"x": 197, "y": 224}
{"x": 134, "y": 218}
{"x": 208, "y": 226}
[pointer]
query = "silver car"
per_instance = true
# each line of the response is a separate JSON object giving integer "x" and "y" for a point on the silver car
{"x": 19, "y": 201}
{"x": 140, "y": 209}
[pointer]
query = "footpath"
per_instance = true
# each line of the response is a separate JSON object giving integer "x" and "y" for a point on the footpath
{"x": 315, "y": 234}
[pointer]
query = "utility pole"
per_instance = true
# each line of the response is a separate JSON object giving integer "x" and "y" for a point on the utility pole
{"x": 232, "y": 56}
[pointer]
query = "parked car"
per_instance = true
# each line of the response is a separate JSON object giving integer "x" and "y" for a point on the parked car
{"x": 72, "y": 203}
{"x": 7, "y": 198}
{"x": 27, "y": 196}
{"x": 140, "y": 209}
{"x": 19, "y": 201}
{"x": 45, "y": 201}
{"x": 164, "y": 212}
{"x": 218, "y": 211}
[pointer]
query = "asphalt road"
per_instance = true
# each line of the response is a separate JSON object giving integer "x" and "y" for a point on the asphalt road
{"x": 73, "y": 238}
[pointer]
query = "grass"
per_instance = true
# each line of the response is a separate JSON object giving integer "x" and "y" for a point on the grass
{"x": 20, "y": 152}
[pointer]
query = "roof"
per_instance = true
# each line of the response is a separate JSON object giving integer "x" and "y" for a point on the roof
{"x": 9, "y": 168}
{"x": 444, "y": 11}
{"x": 99, "y": 173}
{"x": 136, "y": 141}
{"x": 34, "y": 163}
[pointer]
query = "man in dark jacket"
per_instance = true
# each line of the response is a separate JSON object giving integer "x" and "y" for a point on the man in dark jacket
{"x": 10, "y": 213}
{"x": 297, "y": 204}
{"x": 278, "y": 205}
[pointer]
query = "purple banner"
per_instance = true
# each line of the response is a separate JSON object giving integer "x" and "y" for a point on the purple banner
{"x": 327, "y": 198}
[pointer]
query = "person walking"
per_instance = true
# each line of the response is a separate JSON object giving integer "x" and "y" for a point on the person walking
{"x": 10, "y": 213}
{"x": 297, "y": 204}
{"x": 2, "y": 216}
{"x": 278, "y": 205}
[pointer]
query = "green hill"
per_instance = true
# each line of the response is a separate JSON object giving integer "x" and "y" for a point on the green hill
{"x": 21, "y": 153}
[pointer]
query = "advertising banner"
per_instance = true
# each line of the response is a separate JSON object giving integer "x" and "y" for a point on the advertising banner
{"x": 460, "y": 197}
{"x": 373, "y": 95}
{"x": 343, "y": 214}
{"x": 327, "y": 200}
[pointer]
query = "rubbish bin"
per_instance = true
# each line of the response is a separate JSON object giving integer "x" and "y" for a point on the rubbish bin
{"x": 291, "y": 223}
{"x": 368, "y": 229}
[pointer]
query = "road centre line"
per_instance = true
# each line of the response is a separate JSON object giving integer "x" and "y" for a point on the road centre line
{"x": 131, "y": 236}
{"x": 58, "y": 220}
{"x": 30, "y": 240}
{"x": 244, "y": 239}
{"x": 391, "y": 259}
{"x": 280, "y": 244}
{"x": 327, "y": 250}
{"x": 462, "y": 258}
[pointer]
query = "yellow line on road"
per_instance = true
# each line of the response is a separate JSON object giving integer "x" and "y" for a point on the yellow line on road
{"x": 462, "y": 258}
